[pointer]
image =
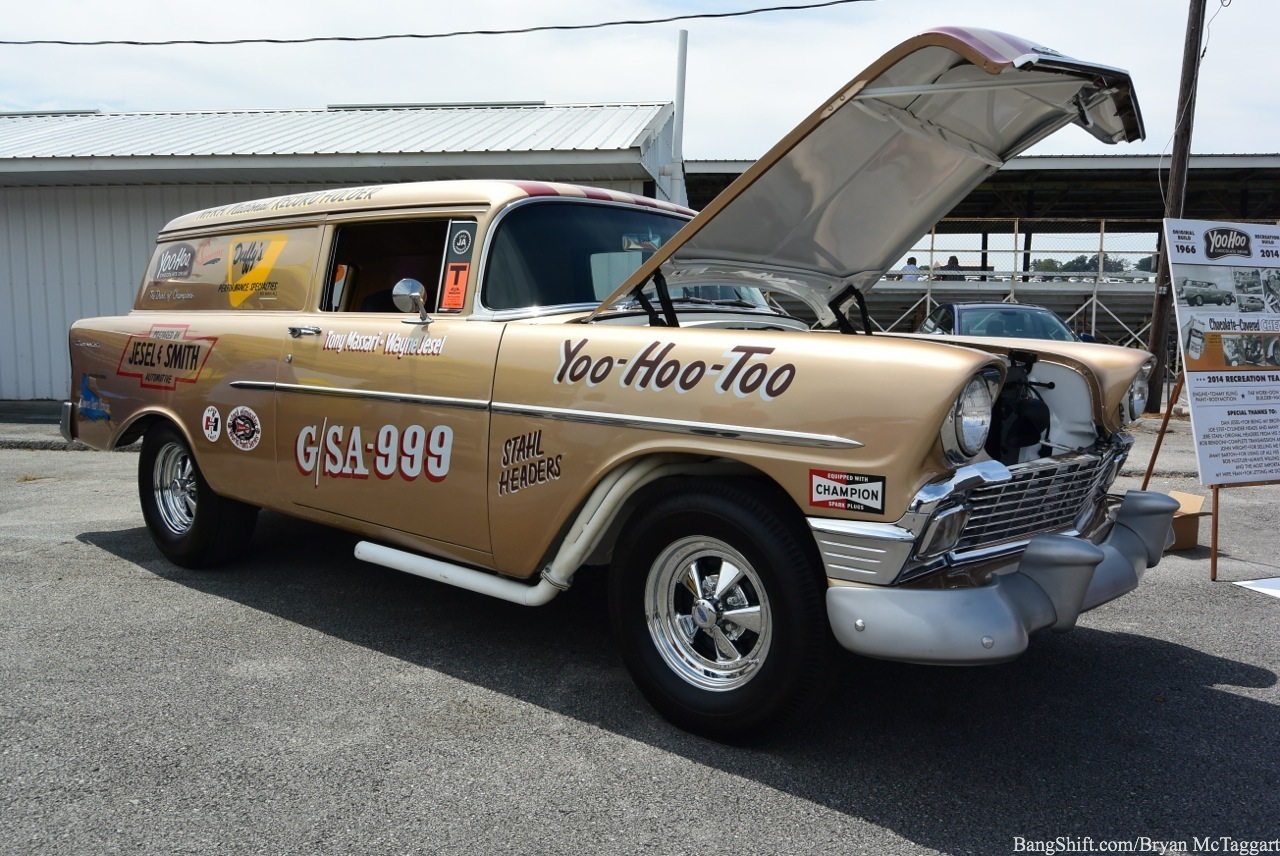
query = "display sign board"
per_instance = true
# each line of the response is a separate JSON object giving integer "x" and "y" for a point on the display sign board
{"x": 1226, "y": 282}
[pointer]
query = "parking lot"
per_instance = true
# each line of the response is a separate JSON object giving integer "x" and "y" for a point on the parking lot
{"x": 303, "y": 702}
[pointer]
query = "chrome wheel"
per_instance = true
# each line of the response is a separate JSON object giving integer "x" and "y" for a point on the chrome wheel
{"x": 174, "y": 484}
{"x": 708, "y": 613}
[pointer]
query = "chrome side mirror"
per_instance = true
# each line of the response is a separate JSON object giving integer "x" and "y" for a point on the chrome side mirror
{"x": 409, "y": 295}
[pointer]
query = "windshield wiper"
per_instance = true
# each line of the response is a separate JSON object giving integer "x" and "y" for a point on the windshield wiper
{"x": 724, "y": 301}
{"x": 738, "y": 301}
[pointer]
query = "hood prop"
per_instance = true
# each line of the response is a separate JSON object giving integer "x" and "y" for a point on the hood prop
{"x": 664, "y": 300}
{"x": 842, "y": 320}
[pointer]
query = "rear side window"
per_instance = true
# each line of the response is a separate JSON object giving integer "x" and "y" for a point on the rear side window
{"x": 368, "y": 260}
{"x": 268, "y": 270}
{"x": 556, "y": 253}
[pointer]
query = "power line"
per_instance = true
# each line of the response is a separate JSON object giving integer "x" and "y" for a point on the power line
{"x": 421, "y": 36}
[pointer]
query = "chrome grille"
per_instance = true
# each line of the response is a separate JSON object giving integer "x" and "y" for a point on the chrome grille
{"x": 1043, "y": 496}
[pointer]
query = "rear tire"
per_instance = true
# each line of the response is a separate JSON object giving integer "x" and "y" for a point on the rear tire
{"x": 190, "y": 524}
{"x": 717, "y": 603}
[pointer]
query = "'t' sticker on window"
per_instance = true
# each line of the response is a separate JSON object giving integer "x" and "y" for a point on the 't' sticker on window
{"x": 455, "y": 285}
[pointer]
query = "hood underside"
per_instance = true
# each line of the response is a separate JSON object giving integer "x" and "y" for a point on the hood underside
{"x": 847, "y": 192}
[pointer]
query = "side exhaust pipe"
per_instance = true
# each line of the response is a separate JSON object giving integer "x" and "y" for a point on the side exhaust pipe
{"x": 588, "y": 528}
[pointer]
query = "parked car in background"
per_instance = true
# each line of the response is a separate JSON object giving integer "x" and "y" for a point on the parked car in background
{"x": 1011, "y": 320}
{"x": 1251, "y": 303}
{"x": 1195, "y": 292}
{"x": 501, "y": 384}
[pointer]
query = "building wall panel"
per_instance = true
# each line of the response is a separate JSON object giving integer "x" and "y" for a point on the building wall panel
{"x": 78, "y": 252}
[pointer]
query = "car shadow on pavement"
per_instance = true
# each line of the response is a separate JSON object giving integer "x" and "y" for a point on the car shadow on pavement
{"x": 1105, "y": 734}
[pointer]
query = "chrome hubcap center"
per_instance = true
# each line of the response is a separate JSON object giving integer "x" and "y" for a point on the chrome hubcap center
{"x": 705, "y": 614}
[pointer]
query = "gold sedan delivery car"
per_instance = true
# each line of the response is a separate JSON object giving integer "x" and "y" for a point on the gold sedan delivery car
{"x": 497, "y": 383}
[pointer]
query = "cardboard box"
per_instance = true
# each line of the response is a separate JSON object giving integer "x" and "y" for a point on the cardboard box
{"x": 1186, "y": 521}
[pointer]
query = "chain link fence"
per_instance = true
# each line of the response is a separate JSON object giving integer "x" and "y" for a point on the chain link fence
{"x": 1098, "y": 275}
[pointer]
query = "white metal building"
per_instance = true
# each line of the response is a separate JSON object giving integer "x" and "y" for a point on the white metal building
{"x": 82, "y": 194}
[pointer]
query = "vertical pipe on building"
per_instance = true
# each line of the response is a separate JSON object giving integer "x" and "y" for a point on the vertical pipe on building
{"x": 1102, "y": 267}
{"x": 677, "y": 188}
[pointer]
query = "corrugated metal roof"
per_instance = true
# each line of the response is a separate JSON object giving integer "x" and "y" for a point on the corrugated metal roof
{"x": 1224, "y": 160}
{"x": 444, "y": 129}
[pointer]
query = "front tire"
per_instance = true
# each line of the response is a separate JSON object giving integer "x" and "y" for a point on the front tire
{"x": 190, "y": 524}
{"x": 718, "y": 607}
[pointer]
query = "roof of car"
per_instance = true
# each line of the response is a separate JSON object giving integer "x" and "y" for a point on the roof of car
{"x": 487, "y": 193}
{"x": 1029, "y": 306}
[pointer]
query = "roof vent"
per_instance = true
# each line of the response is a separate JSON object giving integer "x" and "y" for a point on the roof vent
{"x": 442, "y": 105}
{"x": 27, "y": 113}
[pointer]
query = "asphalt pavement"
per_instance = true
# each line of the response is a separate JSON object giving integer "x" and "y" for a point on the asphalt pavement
{"x": 301, "y": 701}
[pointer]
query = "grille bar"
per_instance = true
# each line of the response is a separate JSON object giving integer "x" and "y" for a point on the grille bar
{"x": 1042, "y": 496}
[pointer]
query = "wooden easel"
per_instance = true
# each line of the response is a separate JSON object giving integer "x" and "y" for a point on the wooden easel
{"x": 1214, "y": 488}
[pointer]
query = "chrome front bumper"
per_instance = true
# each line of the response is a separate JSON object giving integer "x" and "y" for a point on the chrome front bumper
{"x": 1057, "y": 578}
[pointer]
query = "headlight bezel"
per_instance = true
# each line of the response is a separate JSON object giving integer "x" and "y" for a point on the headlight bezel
{"x": 1135, "y": 397}
{"x": 976, "y": 400}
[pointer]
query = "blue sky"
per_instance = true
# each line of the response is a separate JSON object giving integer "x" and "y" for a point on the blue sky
{"x": 749, "y": 79}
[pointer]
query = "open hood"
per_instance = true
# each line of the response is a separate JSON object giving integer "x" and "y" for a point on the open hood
{"x": 846, "y": 193}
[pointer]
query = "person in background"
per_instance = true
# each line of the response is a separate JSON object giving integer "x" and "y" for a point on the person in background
{"x": 910, "y": 273}
{"x": 953, "y": 263}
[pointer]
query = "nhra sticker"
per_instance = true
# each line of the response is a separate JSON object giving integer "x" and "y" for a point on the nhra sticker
{"x": 165, "y": 356}
{"x": 244, "y": 429}
{"x": 846, "y": 491}
{"x": 211, "y": 423}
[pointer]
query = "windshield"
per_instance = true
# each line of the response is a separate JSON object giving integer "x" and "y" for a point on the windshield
{"x": 557, "y": 253}
{"x": 1019, "y": 322}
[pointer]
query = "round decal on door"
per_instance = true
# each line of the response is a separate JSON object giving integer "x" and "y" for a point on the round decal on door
{"x": 211, "y": 424}
{"x": 244, "y": 429}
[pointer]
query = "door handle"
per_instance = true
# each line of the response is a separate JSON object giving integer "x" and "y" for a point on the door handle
{"x": 299, "y": 332}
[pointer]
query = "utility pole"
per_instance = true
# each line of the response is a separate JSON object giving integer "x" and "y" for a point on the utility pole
{"x": 1163, "y": 302}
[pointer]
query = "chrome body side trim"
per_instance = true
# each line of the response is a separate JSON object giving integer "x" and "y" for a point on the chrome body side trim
{"x": 679, "y": 426}
{"x": 372, "y": 394}
{"x": 701, "y": 429}
{"x": 860, "y": 551}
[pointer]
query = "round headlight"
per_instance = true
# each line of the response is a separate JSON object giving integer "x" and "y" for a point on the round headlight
{"x": 971, "y": 416}
{"x": 1136, "y": 398}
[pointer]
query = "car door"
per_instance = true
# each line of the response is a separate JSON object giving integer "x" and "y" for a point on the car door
{"x": 383, "y": 417}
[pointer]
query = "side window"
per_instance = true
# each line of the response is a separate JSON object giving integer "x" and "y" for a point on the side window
{"x": 245, "y": 271}
{"x": 370, "y": 258}
{"x": 939, "y": 321}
